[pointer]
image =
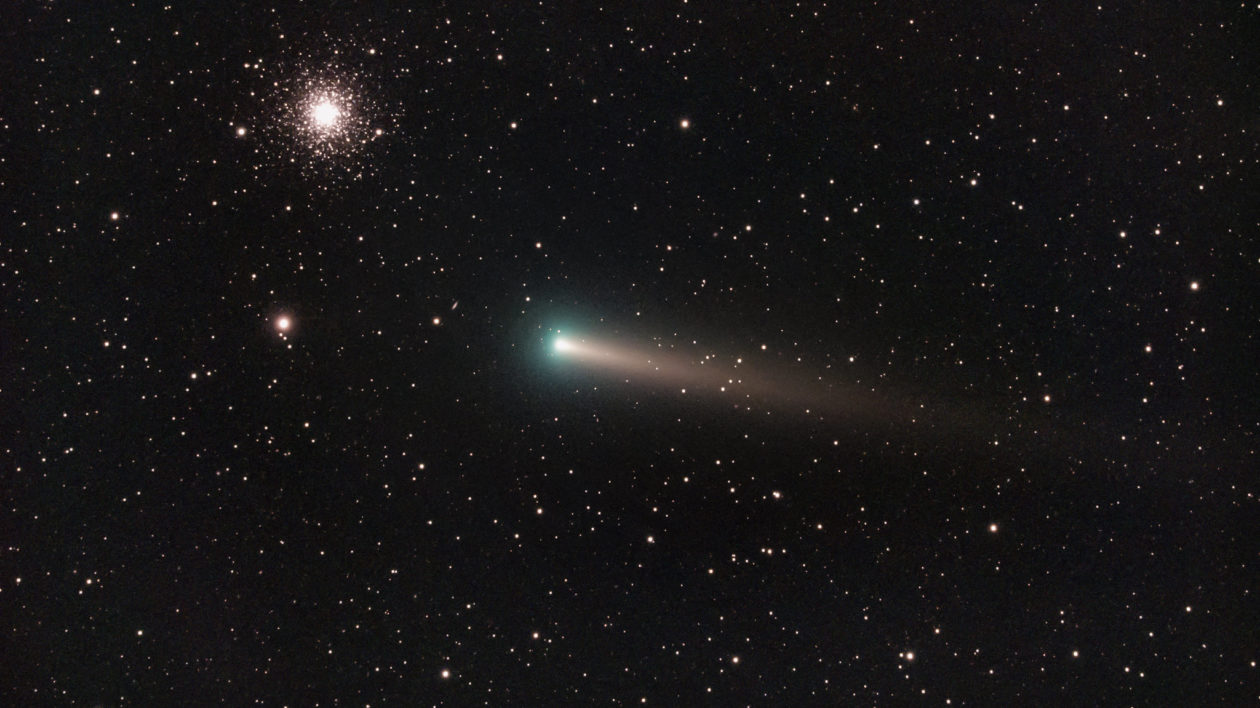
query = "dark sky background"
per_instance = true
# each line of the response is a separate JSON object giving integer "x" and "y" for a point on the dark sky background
{"x": 282, "y": 421}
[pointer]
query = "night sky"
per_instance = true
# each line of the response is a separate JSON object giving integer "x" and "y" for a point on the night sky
{"x": 537, "y": 354}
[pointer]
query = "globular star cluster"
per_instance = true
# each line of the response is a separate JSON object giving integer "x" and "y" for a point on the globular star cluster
{"x": 317, "y": 112}
{"x": 332, "y": 122}
{"x": 548, "y": 354}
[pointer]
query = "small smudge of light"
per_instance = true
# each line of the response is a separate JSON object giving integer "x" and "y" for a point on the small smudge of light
{"x": 1046, "y": 398}
{"x": 684, "y": 124}
{"x": 909, "y": 656}
{"x": 437, "y": 321}
{"x": 1194, "y": 285}
{"x": 651, "y": 539}
{"x": 512, "y": 125}
{"x": 993, "y": 528}
{"x": 1148, "y": 349}
{"x": 734, "y": 659}
{"x": 283, "y": 324}
{"x": 113, "y": 216}
{"x": 240, "y": 132}
{"x": 1076, "y": 653}
{"x": 446, "y": 673}
{"x": 139, "y": 632}
{"x": 1187, "y": 608}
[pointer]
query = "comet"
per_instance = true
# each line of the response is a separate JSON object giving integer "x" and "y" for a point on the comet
{"x": 759, "y": 380}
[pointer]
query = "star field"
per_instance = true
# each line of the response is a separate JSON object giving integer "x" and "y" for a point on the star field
{"x": 545, "y": 354}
